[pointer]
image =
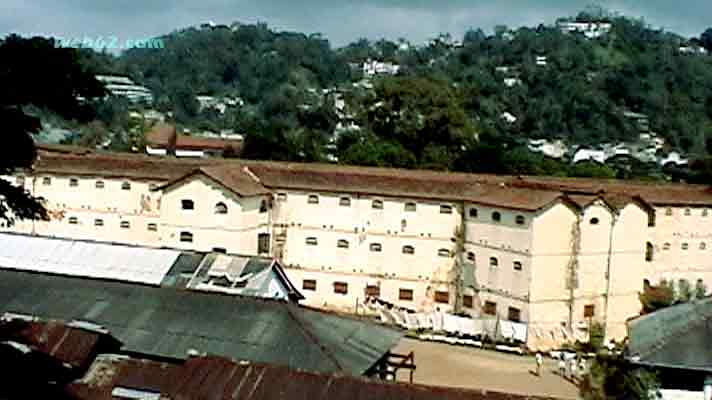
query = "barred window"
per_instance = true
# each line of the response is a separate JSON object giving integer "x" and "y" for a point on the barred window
{"x": 410, "y": 206}
{"x": 445, "y": 209}
{"x": 408, "y": 250}
{"x": 345, "y": 202}
{"x": 313, "y": 199}
{"x": 342, "y": 244}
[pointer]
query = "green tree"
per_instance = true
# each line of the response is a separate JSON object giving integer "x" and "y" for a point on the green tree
{"x": 656, "y": 297}
{"x": 700, "y": 289}
{"x": 612, "y": 377}
{"x": 35, "y": 72}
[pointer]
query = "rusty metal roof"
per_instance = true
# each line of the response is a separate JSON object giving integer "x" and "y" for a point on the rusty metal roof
{"x": 73, "y": 344}
{"x": 170, "y": 322}
{"x": 223, "y": 379}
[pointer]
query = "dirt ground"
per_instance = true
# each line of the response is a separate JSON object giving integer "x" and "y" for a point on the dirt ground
{"x": 441, "y": 364}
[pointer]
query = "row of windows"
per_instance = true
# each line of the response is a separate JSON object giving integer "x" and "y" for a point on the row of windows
{"x": 74, "y": 182}
{"x": 493, "y": 261}
{"x": 123, "y": 224}
{"x": 375, "y": 247}
{"x": 442, "y": 297}
{"x": 687, "y": 212}
{"x": 513, "y": 314}
{"x": 220, "y": 208}
{"x": 263, "y": 242}
{"x": 375, "y": 204}
{"x": 496, "y": 216}
{"x": 685, "y": 246}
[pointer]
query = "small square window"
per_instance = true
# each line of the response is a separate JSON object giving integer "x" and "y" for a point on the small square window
{"x": 341, "y": 288}
{"x": 442, "y": 297}
{"x": 281, "y": 196}
{"x": 73, "y": 220}
{"x": 46, "y": 181}
{"x": 99, "y": 184}
{"x": 405, "y": 294}
{"x": 309, "y": 284}
{"x": 311, "y": 241}
{"x": 263, "y": 242}
{"x": 468, "y": 301}
{"x": 703, "y": 245}
{"x": 519, "y": 220}
{"x": 342, "y": 244}
{"x": 514, "y": 314}
{"x": 410, "y": 207}
{"x": 377, "y": 205}
{"x": 373, "y": 291}
{"x": 98, "y": 222}
{"x": 220, "y": 250}
{"x": 375, "y": 247}
{"x": 444, "y": 253}
{"x": 345, "y": 201}
{"x": 73, "y": 182}
{"x": 687, "y": 212}
{"x": 125, "y": 225}
{"x": 490, "y": 308}
{"x": 496, "y": 217}
{"x": 152, "y": 227}
{"x": 666, "y": 246}
{"x": 408, "y": 250}
{"x": 493, "y": 262}
{"x": 470, "y": 256}
{"x": 186, "y": 237}
{"x": 685, "y": 246}
{"x": 517, "y": 266}
{"x": 445, "y": 209}
{"x": 263, "y": 206}
{"x": 589, "y": 311}
{"x": 187, "y": 204}
{"x": 126, "y": 186}
{"x": 313, "y": 199}
{"x": 473, "y": 213}
{"x": 668, "y": 211}
{"x": 704, "y": 212}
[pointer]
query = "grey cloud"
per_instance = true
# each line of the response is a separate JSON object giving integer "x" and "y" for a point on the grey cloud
{"x": 341, "y": 21}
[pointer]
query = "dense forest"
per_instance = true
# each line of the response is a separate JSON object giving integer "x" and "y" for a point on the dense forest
{"x": 444, "y": 108}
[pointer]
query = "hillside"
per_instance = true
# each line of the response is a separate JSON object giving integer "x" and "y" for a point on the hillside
{"x": 452, "y": 101}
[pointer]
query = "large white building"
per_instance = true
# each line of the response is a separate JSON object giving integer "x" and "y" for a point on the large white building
{"x": 125, "y": 87}
{"x": 554, "y": 253}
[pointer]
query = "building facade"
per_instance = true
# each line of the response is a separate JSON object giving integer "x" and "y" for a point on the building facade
{"x": 558, "y": 254}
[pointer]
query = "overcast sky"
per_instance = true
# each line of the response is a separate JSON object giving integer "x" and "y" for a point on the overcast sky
{"x": 341, "y": 21}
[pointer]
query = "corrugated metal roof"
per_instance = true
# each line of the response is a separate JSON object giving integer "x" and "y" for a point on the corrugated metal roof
{"x": 674, "y": 337}
{"x": 87, "y": 259}
{"x": 169, "y": 322}
{"x": 217, "y": 378}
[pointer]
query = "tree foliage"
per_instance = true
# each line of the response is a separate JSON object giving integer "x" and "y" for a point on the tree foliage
{"x": 35, "y": 72}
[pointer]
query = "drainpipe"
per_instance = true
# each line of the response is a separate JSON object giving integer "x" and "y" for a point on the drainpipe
{"x": 460, "y": 241}
{"x": 608, "y": 274}
{"x": 34, "y": 193}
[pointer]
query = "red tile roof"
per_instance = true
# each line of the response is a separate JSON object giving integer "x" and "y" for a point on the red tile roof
{"x": 165, "y": 136}
{"x": 219, "y": 378}
{"x": 526, "y": 193}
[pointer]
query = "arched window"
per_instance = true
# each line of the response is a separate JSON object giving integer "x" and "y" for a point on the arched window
{"x": 73, "y": 182}
{"x": 46, "y": 181}
{"x": 125, "y": 225}
{"x": 703, "y": 245}
{"x": 126, "y": 186}
{"x": 375, "y": 247}
{"x": 473, "y": 213}
{"x": 99, "y": 184}
{"x": 410, "y": 207}
{"x": 152, "y": 227}
{"x": 445, "y": 209}
{"x": 342, "y": 244}
{"x": 221, "y": 208}
{"x": 345, "y": 201}
{"x": 649, "y": 248}
{"x": 408, "y": 250}
{"x": 73, "y": 220}
{"x": 311, "y": 241}
{"x": 687, "y": 212}
{"x": 496, "y": 217}
{"x": 517, "y": 266}
{"x": 470, "y": 256}
{"x": 444, "y": 253}
{"x": 313, "y": 199}
{"x": 666, "y": 246}
{"x": 98, "y": 222}
{"x": 377, "y": 204}
{"x": 187, "y": 204}
{"x": 684, "y": 246}
{"x": 668, "y": 211}
{"x": 594, "y": 221}
{"x": 493, "y": 262}
{"x": 186, "y": 237}
{"x": 519, "y": 220}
